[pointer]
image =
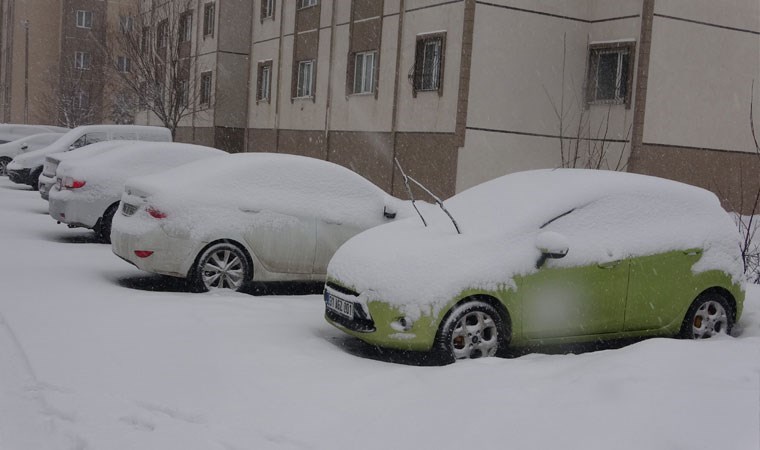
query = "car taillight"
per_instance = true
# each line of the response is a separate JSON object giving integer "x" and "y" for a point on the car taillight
{"x": 156, "y": 213}
{"x": 71, "y": 183}
{"x": 143, "y": 253}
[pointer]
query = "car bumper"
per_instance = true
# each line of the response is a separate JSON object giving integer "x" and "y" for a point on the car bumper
{"x": 64, "y": 206}
{"x": 171, "y": 256}
{"x": 44, "y": 185}
{"x": 21, "y": 176}
{"x": 377, "y": 323}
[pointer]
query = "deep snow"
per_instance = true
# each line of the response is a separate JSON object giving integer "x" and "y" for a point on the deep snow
{"x": 90, "y": 358}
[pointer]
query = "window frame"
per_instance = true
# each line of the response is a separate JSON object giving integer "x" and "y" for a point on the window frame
{"x": 206, "y": 86}
{"x": 303, "y": 4}
{"x": 418, "y": 74}
{"x": 82, "y": 60}
{"x": 209, "y": 19}
{"x": 592, "y": 81}
{"x": 85, "y": 15}
{"x": 186, "y": 26}
{"x": 267, "y": 9}
{"x": 162, "y": 34}
{"x": 373, "y": 73}
{"x": 126, "y": 24}
{"x": 126, "y": 67}
{"x": 264, "y": 84}
{"x": 299, "y": 91}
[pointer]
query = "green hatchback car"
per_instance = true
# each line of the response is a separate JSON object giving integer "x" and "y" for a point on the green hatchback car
{"x": 543, "y": 257}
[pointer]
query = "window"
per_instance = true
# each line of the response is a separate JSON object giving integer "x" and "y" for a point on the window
{"x": 145, "y": 39}
{"x": 610, "y": 73}
{"x": 162, "y": 34}
{"x": 267, "y": 9}
{"x": 84, "y": 19}
{"x": 428, "y": 63}
{"x": 305, "y": 79}
{"x": 186, "y": 27}
{"x": 126, "y": 23}
{"x": 264, "y": 81}
{"x": 123, "y": 64}
{"x": 306, "y": 3}
{"x": 209, "y": 12}
{"x": 81, "y": 60}
{"x": 182, "y": 93}
{"x": 205, "y": 88}
{"x": 364, "y": 72}
{"x": 82, "y": 100}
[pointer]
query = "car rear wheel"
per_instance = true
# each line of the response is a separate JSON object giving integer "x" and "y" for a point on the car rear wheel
{"x": 220, "y": 266}
{"x": 710, "y": 315}
{"x": 4, "y": 165}
{"x": 103, "y": 230}
{"x": 472, "y": 330}
{"x": 34, "y": 178}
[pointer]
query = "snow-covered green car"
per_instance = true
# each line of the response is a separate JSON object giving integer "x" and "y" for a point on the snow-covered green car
{"x": 544, "y": 257}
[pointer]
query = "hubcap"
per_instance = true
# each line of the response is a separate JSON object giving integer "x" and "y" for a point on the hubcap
{"x": 475, "y": 336}
{"x": 3, "y": 168}
{"x": 223, "y": 270}
{"x": 709, "y": 320}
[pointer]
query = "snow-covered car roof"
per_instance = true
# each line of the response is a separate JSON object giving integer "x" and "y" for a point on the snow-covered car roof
{"x": 605, "y": 215}
{"x": 12, "y": 148}
{"x": 87, "y": 151}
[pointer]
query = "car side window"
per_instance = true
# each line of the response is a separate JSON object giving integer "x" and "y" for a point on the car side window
{"x": 91, "y": 138}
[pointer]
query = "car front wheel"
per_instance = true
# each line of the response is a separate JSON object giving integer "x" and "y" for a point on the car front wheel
{"x": 710, "y": 315}
{"x": 473, "y": 329}
{"x": 220, "y": 266}
{"x": 4, "y": 165}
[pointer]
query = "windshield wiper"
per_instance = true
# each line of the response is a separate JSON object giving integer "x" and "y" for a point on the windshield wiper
{"x": 437, "y": 200}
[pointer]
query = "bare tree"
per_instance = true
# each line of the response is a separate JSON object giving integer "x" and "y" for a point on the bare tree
{"x": 151, "y": 58}
{"x": 75, "y": 97}
{"x": 578, "y": 146}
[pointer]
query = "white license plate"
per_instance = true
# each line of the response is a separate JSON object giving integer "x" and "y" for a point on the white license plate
{"x": 340, "y": 306}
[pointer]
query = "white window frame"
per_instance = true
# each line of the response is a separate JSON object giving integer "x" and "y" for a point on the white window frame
{"x": 82, "y": 60}
{"x": 364, "y": 75}
{"x": 126, "y": 23}
{"x": 186, "y": 26}
{"x": 267, "y": 9}
{"x": 82, "y": 99}
{"x": 183, "y": 93}
{"x": 619, "y": 96}
{"x": 84, "y": 19}
{"x": 123, "y": 64}
{"x": 305, "y": 79}
{"x": 303, "y": 4}
{"x": 265, "y": 84}
{"x": 209, "y": 19}
{"x": 435, "y": 74}
{"x": 206, "y": 87}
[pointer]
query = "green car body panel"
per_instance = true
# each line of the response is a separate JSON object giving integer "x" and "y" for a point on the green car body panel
{"x": 630, "y": 298}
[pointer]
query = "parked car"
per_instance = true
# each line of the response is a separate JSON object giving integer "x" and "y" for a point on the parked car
{"x": 545, "y": 257}
{"x": 10, "y": 132}
{"x": 88, "y": 190}
{"x": 10, "y": 150}
{"x": 47, "y": 178}
{"x": 26, "y": 168}
{"x": 250, "y": 216}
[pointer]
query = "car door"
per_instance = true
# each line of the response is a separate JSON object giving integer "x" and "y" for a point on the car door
{"x": 283, "y": 243}
{"x": 585, "y": 292}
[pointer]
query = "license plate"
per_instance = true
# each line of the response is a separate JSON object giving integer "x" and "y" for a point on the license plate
{"x": 340, "y": 306}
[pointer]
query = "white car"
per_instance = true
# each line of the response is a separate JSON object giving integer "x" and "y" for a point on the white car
{"x": 12, "y": 149}
{"x": 10, "y": 132}
{"x": 47, "y": 178}
{"x": 250, "y": 216}
{"x": 26, "y": 168}
{"x": 88, "y": 190}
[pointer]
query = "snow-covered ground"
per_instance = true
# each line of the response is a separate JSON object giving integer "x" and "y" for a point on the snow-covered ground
{"x": 97, "y": 355}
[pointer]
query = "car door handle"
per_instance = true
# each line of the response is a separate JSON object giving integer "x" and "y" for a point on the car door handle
{"x": 250, "y": 210}
{"x": 609, "y": 265}
{"x": 692, "y": 252}
{"x": 332, "y": 222}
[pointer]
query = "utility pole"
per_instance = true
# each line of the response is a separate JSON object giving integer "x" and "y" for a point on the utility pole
{"x": 25, "y": 24}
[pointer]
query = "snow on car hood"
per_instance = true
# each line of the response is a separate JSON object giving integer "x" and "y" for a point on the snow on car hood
{"x": 33, "y": 159}
{"x": 631, "y": 215}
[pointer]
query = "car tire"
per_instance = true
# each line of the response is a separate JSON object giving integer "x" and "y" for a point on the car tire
{"x": 222, "y": 265}
{"x": 709, "y": 315}
{"x": 103, "y": 228}
{"x": 34, "y": 178}
{"x": 473, "y": 329}
{"x": 3, "y": 165}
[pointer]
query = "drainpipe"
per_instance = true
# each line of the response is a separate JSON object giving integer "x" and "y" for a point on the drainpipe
{"x": 394, "y": 117}
{"x": 279, "y": 81}
{"x": 329, "y": 80}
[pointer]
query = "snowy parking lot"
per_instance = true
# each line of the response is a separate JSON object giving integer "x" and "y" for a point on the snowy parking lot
{"x": 95, "y": 354}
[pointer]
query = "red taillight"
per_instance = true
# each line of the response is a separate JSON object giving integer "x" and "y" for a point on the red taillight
{"x": 143, "y": 253}
{"x": 156, "y": 213}
{"x": 70, "y": 183}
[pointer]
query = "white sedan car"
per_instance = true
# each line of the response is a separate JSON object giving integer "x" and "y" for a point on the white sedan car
{"x": 12, "y": 149}
{"x": 250, "y": 216}
{"x": 88, "y": 190}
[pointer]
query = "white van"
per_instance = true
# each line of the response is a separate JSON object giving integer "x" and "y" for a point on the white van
{"x": 11, "y": 131}
{"x": 12, "y": 149}
{"x": 26, "y": 168}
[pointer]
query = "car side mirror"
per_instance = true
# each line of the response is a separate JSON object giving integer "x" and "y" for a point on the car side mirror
{"x": 24, "y": 146}
{"x": 552, "y": 245}
{"x": 72, "y": 147}
{"x": 389, "y": 212}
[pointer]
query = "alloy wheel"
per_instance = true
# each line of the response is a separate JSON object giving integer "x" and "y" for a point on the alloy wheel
{"x": 710, "y": 319}
{"x": 223, "y": 269}
{"x": 475, "y": 335}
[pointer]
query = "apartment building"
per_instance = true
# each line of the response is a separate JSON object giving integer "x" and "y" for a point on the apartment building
{"x": 462, "y": 91}
{"x": 51, "y": 67}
